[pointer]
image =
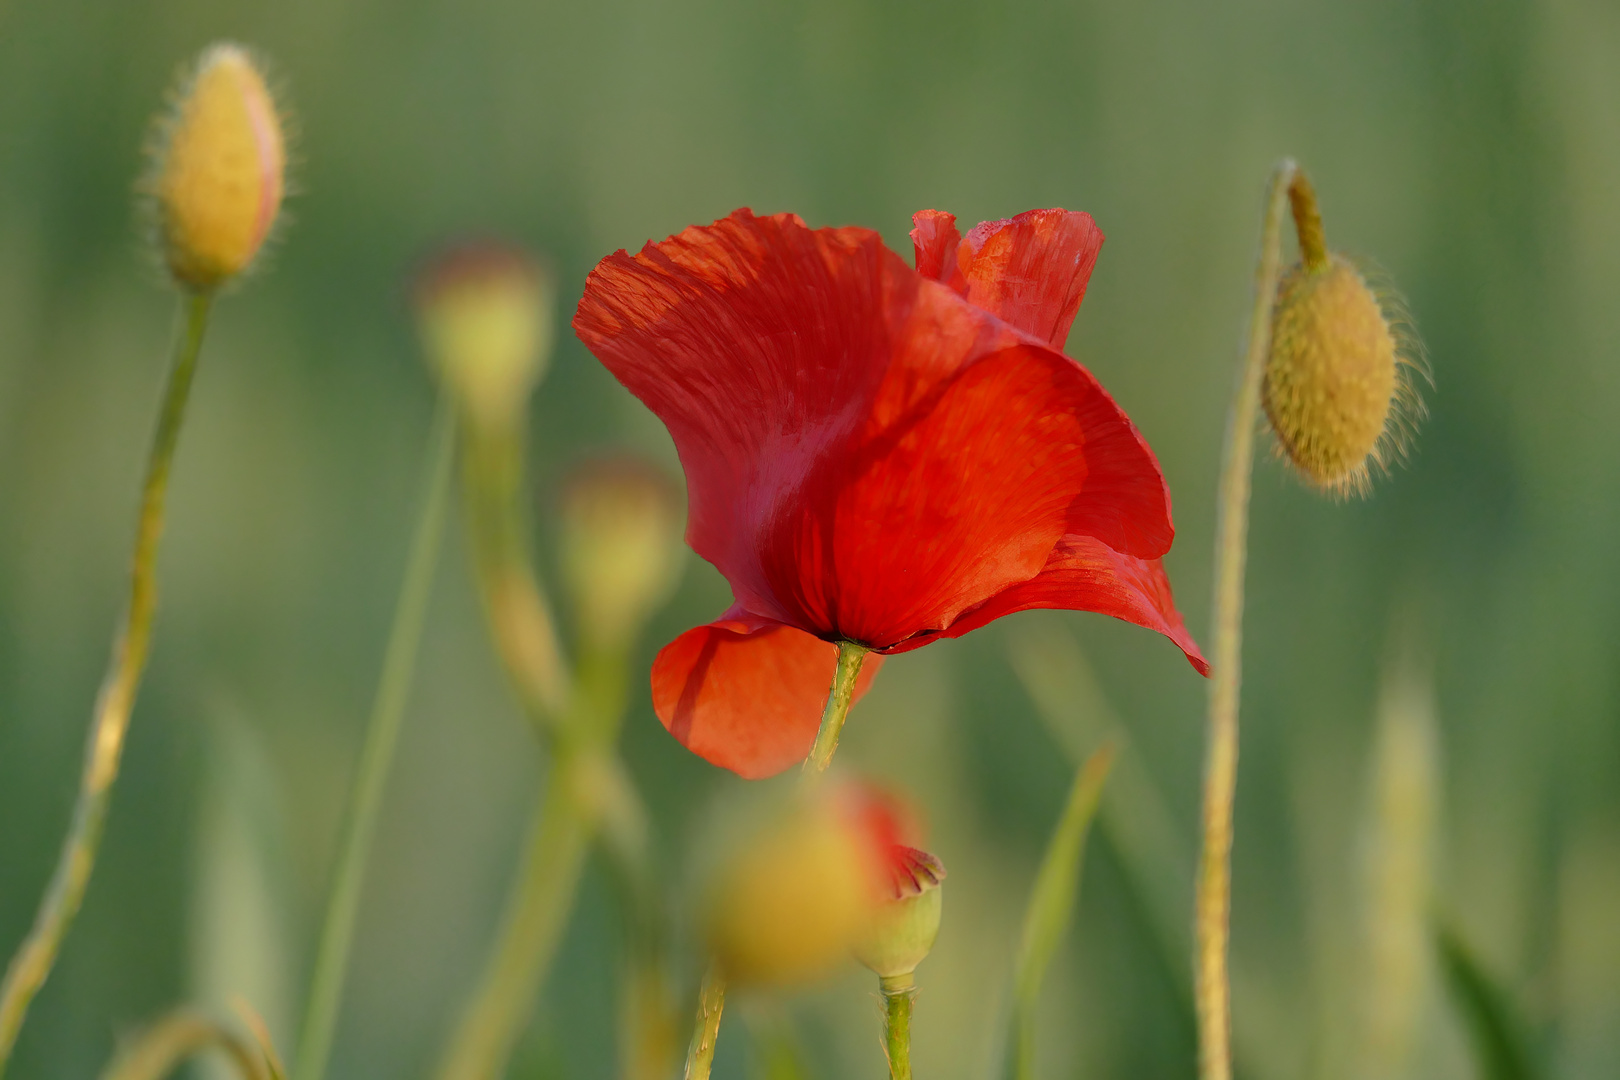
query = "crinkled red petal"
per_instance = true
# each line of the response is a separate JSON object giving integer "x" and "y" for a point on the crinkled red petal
{"x": 867, "y": 455}
{"x": 746, "y": 693}
{"x": 1084, "y": 574}
{"x": 1030, "y": 270}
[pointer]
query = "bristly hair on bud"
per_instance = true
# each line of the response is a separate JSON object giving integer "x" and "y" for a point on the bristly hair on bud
{"x": 1340, "y": 380}
{"x": 218, "y": 169}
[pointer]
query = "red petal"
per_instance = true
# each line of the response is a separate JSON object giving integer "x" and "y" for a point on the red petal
{"x": 1084, "y": 574}
{"x": 746, "y": 694}
{"x": 934, "y": 239}
{"x": 1031, "y": 270}
{"x": 867, "y": 455}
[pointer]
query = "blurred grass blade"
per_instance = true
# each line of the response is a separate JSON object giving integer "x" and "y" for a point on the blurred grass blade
{"x": 1496, "y": 1030}
{"x": 1051, "y": 906}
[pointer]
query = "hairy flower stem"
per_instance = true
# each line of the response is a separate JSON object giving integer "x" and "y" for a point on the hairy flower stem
{"x": 1214, "y": 891}
{"x": 712, "y": 997}
{"x": 839, "y": 699}
{"x": 110, "y": 723}
{"x": 899, "y": 992}
{"x": 376, "y": 757}
{"x": 711, "y": 1003}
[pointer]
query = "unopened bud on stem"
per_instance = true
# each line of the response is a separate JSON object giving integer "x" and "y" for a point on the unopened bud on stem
{"x": 1337, "y": 389}
{"x": 621, "y": 546}
{"x": 486, "y": 316}
{"x": 219, "y": 170}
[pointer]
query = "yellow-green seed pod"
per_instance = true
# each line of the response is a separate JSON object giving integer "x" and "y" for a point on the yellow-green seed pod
{"x": 621, "y": 546}
{"x": 1335, "y": 382}
{"x": 486, "y": 317}
{"x": 219, "y": 171}
{"x": 905, "y": 925}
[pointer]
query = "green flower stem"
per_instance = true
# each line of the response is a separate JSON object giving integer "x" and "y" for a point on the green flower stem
{"x": 104, "y": 749}
{"x": 1214, "y": 890}
{"x": 899, "y": 992}
{"x": 533, "y": 923}
{"x": 171, "y": 1041}
{"x": 839, "y": 699}
{"x": 711, "y": 1003}
{"x": 712, "y": 998}
{"x": 514, "y": 602}
{"x": 376, "y": 757}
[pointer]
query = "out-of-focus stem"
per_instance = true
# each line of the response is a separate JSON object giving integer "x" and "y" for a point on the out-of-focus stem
{"x": 1213, "y": 903}
{"x": 177, "y": 1037}
{"x": 899, "y": 992}
{"x": 104, "y": 750}
{"x": 514, "y": 601}
{"x": 839, "y": 699}
{"x": 530, "y": 929}
{"x": 711, "y": 1003}
{"x": 376, "y": 756}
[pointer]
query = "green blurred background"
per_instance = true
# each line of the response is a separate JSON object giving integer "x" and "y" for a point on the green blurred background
{"x": 1472, "y": 149}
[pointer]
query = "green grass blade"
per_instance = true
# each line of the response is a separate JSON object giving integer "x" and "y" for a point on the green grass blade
{"x": 1494, "y": 1027}
{"x": 1051, "y": 906}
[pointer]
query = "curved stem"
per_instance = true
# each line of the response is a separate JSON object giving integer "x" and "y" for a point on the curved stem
{"x": 711, "y": 1003}
{"x": 839, "y": 699}
{"x": 174, "y": 1039}
{"x": 533, "y": 923}
{"x": 899, "y": 992}
{"x": 519, "y": 616}
{"x": 1213, "y": 903}
{"x": 104, "y": 749}
{"x": 376, "y": 756}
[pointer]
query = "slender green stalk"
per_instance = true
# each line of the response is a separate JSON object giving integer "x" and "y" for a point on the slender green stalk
{"x": 1213, "y": 902}
{"x": 514, "y": 602}
{"x": 535, "y": 916}
{"x": 116, "y": 700}
{"x": 376, "y": 757}
{"x": 899, "y": 992}
{"x": 839, "y": 699}
{"x": 170, "y": 1042}
{"x": 841, "y": 695}
{"x": 711, "y": 1003}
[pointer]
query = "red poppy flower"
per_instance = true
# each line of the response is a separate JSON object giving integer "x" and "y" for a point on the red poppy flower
{"x": 875, "y": 453}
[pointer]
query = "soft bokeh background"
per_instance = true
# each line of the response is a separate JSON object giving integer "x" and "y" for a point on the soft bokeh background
{"x": 1471, "y": 148}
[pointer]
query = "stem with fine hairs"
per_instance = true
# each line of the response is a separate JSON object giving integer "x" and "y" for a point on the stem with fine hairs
{"x": 104, "y": 750}
{"x": 1289, "y": 188}
{"x": 899, "y": 991}
{"x": 376, "y": 756}
{"x": 840, "y": 696}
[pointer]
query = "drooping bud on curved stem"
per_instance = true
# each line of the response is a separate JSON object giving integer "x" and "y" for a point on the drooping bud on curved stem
{"x": 1337, "y": 389}
{"x": 219, "y": 170}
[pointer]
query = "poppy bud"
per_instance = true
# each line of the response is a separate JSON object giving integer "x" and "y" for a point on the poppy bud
{"x": 804, "y": 891}
{"x": 905, "y": 925}
{"x": 218, "y": 175}
{"x": 486, "y": 320}
{"x": 621, "y": 545}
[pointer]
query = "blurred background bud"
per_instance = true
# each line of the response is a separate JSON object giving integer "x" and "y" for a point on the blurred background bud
{"x": 802, "y": 892}
{"x": 1336, "y": 386}
{"x": 218, "y": 170}
{"x": 907, "y": 921}
{"x": 621, "y": 546}
{"x": 487, "y": 323}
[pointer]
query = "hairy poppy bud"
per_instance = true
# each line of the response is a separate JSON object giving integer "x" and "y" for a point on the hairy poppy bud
{"x": 218, "y": 175}
{"x": 903, "y": 930}
{"x": 486, "y": 319}
{"x": 621, "y": 545}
